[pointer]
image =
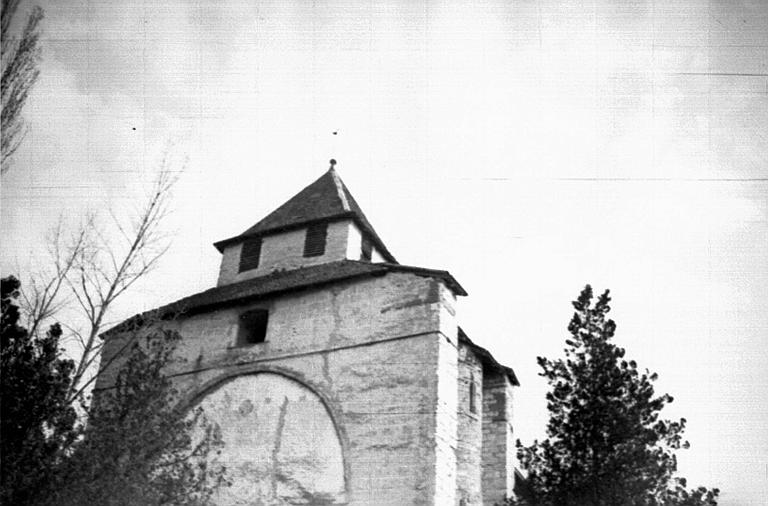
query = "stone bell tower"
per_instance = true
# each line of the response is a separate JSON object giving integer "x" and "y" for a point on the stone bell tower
{"x": 337, "y": 374}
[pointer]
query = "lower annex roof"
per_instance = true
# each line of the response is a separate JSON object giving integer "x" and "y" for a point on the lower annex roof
{"x": 487, "y": 359}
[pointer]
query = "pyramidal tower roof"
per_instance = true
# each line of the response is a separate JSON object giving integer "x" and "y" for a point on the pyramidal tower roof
{"x": 326, "y": 199}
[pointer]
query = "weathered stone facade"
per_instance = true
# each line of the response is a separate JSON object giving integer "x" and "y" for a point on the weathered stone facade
{"x": 363, "y": 391}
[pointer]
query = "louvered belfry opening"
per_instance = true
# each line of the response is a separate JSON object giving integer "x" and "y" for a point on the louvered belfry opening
{"x": 250, "y": 254}
{"x": 314, "y": 242}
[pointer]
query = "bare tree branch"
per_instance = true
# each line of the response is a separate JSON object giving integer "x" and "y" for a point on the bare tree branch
{"x": 95, "y": 270}
{"x": 105, "y": 273}
{"x": 41, "y": 297}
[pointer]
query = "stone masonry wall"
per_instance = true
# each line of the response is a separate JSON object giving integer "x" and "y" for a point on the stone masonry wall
{"x": 446, "y": 423}
{"x": 470, "y": 434}
{"x": 498, "y": 449}
{"x": 375, "y": 351}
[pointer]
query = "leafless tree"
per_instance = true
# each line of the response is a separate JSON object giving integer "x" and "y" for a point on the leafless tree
{"x": 43, "y": 298}
{"x": 93, "y": 268}
{"x": 20, "y": 57}
{"x": 102, "y": 272}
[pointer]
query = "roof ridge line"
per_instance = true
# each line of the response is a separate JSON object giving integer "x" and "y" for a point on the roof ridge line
{"x": 339, "y": 189}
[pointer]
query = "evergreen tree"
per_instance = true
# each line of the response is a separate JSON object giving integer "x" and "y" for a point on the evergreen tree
{"x": 139, "y": 449}
{"x": 606, "y": 444}
{"x": 137, "y": 445}
{"x": 36, "y": 422}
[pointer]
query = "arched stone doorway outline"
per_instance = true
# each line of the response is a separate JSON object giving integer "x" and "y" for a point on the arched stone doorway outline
{"x": 208, "y": 387}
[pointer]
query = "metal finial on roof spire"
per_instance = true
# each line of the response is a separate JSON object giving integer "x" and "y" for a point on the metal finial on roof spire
{"x": 333, "y": 163}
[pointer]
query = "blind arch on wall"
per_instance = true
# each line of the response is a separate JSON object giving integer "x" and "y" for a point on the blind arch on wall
{"x": 280, "y": 443}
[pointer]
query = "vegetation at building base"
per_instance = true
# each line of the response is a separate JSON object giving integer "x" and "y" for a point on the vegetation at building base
{"x": 606, "y": 444}
{"x": 35, "y": 422}
{"x": 132, "y": 446}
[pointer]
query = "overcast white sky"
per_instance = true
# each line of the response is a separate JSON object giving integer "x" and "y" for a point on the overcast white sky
{"x": 529, "y": 147}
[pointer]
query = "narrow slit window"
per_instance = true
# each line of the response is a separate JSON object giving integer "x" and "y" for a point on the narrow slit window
{"x": 472, "y": 394}
{"x": 252, "y": 327}
{"x": 314, "y": 242}
{"x": 366, "y": 250}
{"x": 250, "y": 254}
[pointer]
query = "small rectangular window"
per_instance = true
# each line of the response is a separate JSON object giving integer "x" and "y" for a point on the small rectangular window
{"x": 314, "y": 242}
{"x": 250, "y": 254}
{"x": 366, "y": 250}
{"x": 472, "y": 394}
{"x": 252, "y": 327}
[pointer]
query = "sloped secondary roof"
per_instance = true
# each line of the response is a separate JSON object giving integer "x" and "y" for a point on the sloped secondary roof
{"x": 487, "y": 359}
{"x": 326, "y": 199}
{"x": 281, "y": 282}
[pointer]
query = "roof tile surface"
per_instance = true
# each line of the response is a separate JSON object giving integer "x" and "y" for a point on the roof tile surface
{"x": 327, "y": 198}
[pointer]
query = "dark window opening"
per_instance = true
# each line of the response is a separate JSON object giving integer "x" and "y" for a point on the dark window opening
{"x": 472, "y": 394}
{"x": 250, "y": 254}
{"x": 366, "y": 250}
{"x": 253, "y": 327}
{"x": 314, "y": 242}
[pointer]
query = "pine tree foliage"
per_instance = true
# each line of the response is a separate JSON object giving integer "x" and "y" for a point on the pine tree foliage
{"x": 36, "y": 422}
{"x": 135, "y": 445}
{"x": 606, "y": 444}
{"x": 136, "y": 450}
